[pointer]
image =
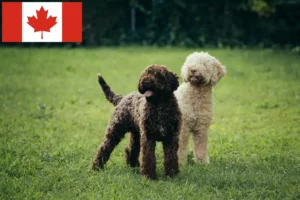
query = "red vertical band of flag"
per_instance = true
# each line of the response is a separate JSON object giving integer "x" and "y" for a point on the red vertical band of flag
{"x": 11, "y": 21}
{"x": 72, "y": 22}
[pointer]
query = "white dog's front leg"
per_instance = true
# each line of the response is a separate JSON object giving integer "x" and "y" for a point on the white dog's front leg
{"x": 201, "y": 145}
{"x": 183, "y": 144}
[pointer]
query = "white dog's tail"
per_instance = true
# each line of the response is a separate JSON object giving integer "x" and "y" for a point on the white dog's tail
{"x": 109, "y": 94}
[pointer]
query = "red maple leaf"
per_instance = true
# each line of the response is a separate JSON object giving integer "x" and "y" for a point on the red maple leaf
{"x": 41, "y": 23}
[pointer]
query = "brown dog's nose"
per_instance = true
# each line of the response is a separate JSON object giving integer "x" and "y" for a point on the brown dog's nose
{"x": 193, "y": 71}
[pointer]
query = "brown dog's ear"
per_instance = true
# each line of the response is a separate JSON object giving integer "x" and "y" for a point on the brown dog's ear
{"x": 218, "y": 72}
{"x": 140, "y": 86}
{"x": 174, "y": 83}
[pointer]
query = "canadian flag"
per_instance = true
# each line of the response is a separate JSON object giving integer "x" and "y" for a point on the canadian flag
{"x": 41, "y": 21}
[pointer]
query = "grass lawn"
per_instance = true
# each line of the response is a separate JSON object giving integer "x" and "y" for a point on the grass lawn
{"x": 54, "y": 115}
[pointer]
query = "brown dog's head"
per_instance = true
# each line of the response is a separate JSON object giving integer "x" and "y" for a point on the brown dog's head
{"x": 157, "y": 82}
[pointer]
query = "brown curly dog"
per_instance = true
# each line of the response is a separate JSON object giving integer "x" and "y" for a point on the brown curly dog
{"x": 151, "y": 115}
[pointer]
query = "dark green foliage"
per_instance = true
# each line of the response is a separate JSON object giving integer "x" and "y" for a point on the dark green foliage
{"x": 192, "y": 23}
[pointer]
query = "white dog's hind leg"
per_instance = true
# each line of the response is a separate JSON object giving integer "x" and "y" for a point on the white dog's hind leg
{"x": 200, "y": 138}
{"x": 183, "y": 144}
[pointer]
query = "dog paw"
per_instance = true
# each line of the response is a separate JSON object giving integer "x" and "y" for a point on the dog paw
{"x": 201, "y": 161}
{"x": 149, "y": 177}
{"x": 172, "y": 173}
{"x": 96, "y": 166}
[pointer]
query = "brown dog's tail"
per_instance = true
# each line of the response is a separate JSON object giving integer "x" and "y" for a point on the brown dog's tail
{"x": 110, "y": 95}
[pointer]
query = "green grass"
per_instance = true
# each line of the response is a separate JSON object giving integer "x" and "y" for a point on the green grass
{"x": 54, "y": 114}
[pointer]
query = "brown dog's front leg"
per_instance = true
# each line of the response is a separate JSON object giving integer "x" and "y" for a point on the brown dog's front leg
{"x": 148, "y": 164}
{"x": 171, "y": 157}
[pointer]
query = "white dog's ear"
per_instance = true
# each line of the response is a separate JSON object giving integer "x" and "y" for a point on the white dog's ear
{"x": 184, "y": 73}
{"x": 218, "y": 72}
{"x": 184, "y": 77}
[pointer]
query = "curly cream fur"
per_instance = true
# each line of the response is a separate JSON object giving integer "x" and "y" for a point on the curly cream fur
{"x": 200, "y": 73}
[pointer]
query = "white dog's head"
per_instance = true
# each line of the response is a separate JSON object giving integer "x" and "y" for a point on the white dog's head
{"x": 201, "y": 68}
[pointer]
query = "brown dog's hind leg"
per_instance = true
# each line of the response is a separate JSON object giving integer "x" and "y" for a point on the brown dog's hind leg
{"x": 133, "y": 150}
{"x": 114, "y": 134}
{"x": 171, "y": 157}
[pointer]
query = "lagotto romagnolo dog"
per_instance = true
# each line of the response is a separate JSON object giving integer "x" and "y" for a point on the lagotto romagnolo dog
{"x": 200, "y": 72}
{"x": 150, "y": 115}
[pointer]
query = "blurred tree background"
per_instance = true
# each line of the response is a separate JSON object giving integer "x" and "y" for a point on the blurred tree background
{"x": 191, "y": 23}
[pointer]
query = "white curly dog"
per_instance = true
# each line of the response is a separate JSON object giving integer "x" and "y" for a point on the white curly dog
{"x": 200, "y": 72}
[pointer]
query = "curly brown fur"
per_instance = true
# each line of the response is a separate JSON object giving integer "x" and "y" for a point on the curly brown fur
{"x": 151, "y": 115}
{"x": 109, "y": 94}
